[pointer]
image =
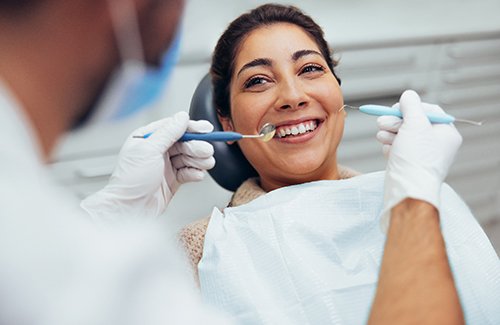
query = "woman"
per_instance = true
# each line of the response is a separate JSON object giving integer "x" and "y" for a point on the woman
{"x": 301, "y": 242}
{"x": 291, "y": 159}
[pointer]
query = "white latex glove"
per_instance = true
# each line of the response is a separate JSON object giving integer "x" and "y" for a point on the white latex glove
{"x": 150, "y": 170}
{"x": 419, "y": 154}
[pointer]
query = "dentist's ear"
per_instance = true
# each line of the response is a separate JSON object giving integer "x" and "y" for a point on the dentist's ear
{"x": 227, "y": 125}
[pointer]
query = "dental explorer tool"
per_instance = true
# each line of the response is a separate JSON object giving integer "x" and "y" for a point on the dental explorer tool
{"x": 379, "y": 110}
{"x": 266, "y": 133}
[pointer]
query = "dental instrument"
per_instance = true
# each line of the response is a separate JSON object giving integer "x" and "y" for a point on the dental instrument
{"x": 379, "y": 110}
{"x": 266, "y": 133}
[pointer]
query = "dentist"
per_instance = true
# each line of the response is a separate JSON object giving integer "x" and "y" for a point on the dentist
{"x": 65, "y": 64}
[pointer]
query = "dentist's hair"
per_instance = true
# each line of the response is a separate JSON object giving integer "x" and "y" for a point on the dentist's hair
{"x": 18, "y": 6}
{"x": 229, "y": 43}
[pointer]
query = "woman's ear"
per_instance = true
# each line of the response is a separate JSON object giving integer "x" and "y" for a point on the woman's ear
{"x": 227, "y": 125}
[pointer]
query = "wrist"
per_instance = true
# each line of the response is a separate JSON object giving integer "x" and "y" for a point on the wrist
{"x": 402, "y": 185}
{"x": 414, "y": 210}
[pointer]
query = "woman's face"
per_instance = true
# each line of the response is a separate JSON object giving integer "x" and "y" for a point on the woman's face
{"x": 280, "y": 77}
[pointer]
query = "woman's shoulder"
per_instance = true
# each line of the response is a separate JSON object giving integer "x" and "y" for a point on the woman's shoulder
{"x": 192, "y": 237}
{"x": 347, "y": 172}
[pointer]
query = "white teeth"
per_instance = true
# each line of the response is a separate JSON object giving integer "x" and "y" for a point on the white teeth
{"x": 297, "y": 129}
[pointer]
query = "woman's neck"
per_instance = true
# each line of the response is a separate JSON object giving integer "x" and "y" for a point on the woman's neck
{"x": 272, "y": 183}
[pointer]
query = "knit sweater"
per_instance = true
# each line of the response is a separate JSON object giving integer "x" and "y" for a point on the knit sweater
{"x": 192, "y": 236}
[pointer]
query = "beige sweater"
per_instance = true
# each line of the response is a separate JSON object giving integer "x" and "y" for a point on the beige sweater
{"x": 192, "y": 236}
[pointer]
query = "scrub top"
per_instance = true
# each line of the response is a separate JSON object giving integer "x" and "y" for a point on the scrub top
{"x": 57, "y": 266}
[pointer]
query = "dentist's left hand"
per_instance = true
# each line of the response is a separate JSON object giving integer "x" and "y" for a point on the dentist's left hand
{"x": 150, "y": 170}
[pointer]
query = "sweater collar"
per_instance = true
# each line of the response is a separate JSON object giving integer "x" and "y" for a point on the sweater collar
{"x": 250, "y": 189}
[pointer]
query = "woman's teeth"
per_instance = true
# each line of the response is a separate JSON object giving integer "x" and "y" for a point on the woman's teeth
{"x": 297, "y": 129}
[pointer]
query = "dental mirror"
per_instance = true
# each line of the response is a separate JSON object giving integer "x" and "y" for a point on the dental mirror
{"x": 266, "y": 133}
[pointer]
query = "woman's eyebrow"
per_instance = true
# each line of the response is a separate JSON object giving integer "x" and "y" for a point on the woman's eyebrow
{"x": 255, "y": 63}
{"x": 297, "y": 55}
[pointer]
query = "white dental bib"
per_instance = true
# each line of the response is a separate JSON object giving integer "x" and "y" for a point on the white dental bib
{"x": 310, "y": 254}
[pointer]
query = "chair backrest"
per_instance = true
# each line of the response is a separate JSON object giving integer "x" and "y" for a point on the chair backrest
{"x": 231, "y": 167}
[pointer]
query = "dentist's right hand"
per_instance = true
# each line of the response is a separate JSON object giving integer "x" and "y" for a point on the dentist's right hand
{"x": 419, "y": 153}
{"x": 150, "y": 170}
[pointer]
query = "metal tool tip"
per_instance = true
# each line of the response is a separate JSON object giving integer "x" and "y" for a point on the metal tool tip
{"x": 470, "y": 122}
{"x": 348, "y": 106}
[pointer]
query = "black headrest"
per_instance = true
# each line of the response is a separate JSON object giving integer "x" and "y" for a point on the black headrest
{"x": 231, "y": 167}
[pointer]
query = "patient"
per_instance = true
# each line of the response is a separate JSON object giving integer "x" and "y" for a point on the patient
{"x": 272, "y": 255}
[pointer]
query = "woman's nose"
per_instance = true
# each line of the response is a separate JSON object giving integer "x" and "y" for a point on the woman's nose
{"x": 291, "y": 96}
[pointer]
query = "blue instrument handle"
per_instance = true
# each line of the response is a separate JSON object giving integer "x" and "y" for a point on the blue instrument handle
{"x": 380, "y": 110}
{"x": 211, "y": 136}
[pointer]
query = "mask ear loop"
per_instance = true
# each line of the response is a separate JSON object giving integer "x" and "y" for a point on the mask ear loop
{"x": 126, "y": 27}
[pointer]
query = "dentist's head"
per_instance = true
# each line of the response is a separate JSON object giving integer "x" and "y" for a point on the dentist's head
{"x": 70, "y": 62}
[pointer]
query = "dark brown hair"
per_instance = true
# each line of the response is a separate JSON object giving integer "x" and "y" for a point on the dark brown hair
{"x": 18, "y": 5}
{"x": 222, "y": 67}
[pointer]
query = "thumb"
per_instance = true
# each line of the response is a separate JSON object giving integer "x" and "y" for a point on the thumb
{"x": 411, "y": 108}
{"x": 170, "y": 131}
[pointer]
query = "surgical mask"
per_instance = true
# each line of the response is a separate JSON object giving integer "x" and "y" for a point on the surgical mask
{"x": 134, "y": 86}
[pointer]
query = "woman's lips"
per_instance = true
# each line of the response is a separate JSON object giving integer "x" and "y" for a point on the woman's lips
{"x": 298, "y": 131}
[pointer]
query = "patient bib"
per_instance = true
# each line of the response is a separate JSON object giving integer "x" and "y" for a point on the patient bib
{"x": 310, "y": 254}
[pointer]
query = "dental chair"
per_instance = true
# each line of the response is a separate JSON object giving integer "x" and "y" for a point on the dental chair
{"x": 231, "y": 167}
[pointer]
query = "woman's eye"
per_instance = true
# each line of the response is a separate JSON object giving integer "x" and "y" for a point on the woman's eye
{"x": 254, "y": 82}
{"x": 312, "y": 68}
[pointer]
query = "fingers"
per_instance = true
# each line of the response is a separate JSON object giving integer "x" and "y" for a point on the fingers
{"x": 389, "y": 123}
{"x": 385, "y": 137}
{"x": 183, "y": 161}
{"x": 200, "y": 126}
{"x": 193, "y": 154}
{"x": 169, "y": 131}
{"x": 411, "y": 108}
{"x": 191, "y": 158}
{"x": 194, "y": 148}
{"x": 166, "y": 132}
{"x": 190, "y": 169}
{"x": 185, "y": 175}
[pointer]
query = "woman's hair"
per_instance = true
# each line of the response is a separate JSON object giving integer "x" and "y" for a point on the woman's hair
{"x": 229, "y": 43}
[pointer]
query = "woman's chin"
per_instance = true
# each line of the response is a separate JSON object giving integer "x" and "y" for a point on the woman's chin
{"x": 303, "y": 172}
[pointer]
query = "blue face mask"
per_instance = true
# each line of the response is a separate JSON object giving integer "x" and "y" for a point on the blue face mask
{"x": 134, "y": 86}
{"x": 149, "y": 89}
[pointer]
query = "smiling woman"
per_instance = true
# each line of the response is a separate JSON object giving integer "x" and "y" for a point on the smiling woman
{"x": 300, "y": 243}
{"x": 273, "y": 65}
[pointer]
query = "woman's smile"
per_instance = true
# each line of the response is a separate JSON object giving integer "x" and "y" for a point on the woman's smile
{"x": 297, "y": 131}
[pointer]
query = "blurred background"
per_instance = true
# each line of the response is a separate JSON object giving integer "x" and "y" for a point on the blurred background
{"x": 448, "y": 51}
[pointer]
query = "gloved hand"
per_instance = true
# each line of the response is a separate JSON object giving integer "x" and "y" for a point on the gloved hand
{"x": 419, "y": 154}
{"x": 150, "y": 170}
